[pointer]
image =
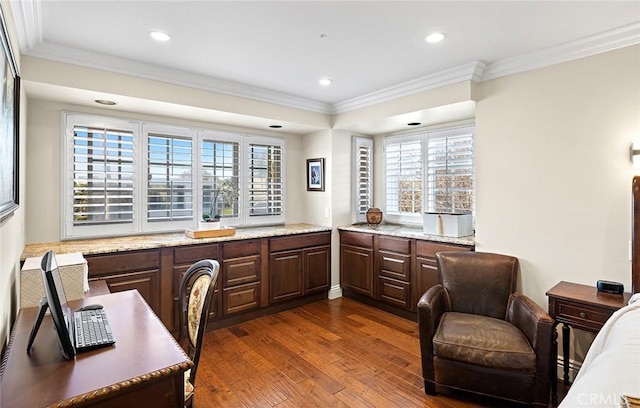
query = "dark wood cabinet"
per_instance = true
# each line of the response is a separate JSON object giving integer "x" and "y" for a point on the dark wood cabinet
{"x": 255, "y": 274}
{"x": 241, "y": 278}
{"x": 388, "y": 271}
{"x": 394, "y": 271}
{"x": 138, "y": 270}
{"x": 356, "y": 263}
{"x": 299, "y": 266}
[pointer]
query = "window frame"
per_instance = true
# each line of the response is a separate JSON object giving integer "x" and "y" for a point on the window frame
{"x": 140, "y": 131}
{"x": 358, "y": 142}
{"x": 416, "y": 219}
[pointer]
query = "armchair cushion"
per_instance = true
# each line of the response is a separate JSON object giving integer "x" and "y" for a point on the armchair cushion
{"x": 483, "y": 341}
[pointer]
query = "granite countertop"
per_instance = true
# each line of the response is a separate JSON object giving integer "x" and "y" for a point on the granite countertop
{"x": 407, "y": 232}
{"x": 137, "y": 242}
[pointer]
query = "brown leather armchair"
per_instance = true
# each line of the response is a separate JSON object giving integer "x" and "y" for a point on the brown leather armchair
{"x": 477, "y": 334}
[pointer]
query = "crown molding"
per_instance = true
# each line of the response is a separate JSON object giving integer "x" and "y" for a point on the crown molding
{"x": 465, "y": 72}
{"x": 594, "y": 44}
{"x": 27, "y": 16}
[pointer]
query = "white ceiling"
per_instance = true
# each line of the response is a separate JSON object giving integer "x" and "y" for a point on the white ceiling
{"x": 279, "y": 50}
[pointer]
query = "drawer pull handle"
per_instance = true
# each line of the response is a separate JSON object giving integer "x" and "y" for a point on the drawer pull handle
{"x": 583, "y": 315}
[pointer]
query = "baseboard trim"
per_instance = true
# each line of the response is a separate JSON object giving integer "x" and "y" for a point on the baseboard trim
{"x": 574, "y": 367}
{"x": 335, "y": 292}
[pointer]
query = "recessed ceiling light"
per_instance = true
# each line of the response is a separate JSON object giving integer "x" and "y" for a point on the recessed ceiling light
{"x": 104, "y": 102}
{"x": 434, "y": 38}
{"x": 414, "y": 124}
{"x": 275, "y": 126}
{"x": 159, "y": 36}
{"x": 325, "y": 81}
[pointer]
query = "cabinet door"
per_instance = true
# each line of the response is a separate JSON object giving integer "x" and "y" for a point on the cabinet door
{"x": 356, "y": 269}
{"x": 285, "y": 275}
{"x": 145, "y": 282}
{"x": 317, "y": 266}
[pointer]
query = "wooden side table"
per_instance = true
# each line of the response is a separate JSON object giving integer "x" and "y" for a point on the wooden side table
{"x": 581, "y": 307}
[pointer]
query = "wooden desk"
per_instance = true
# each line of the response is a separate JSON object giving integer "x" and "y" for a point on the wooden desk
{"x": 581, "y": 307}
{"x": 144, "y": 368}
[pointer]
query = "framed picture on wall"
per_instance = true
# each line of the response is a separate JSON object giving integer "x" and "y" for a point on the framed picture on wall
{"x": 315, "y": 174}
{"x": 9, "y": 141}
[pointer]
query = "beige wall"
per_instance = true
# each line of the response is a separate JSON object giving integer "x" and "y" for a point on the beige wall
{"x": 12, "y": 236}
{"x": 554, "y": 174}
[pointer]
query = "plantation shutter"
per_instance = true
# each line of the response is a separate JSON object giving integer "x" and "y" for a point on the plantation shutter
{"x": 450, "y": 171}
{"x": 363, "y": 185}
{"x": 265, "y": 180}
{"x": 220, "y": 176}
{"x": 103, "y": 176}
{"x": 403, "y": 175}
{"x": 170, "y": 181}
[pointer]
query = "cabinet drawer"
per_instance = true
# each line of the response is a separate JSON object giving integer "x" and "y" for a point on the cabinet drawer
{"x": 356, "y": 239}
{"x": 123, "y": 262}
{"x": 429, "y": 248}
{"x": 395, "y": 292}
{"x": 192, "y": 254}
{"x": 241, "y": 248}
{"x": 240, "y": 270}
{"x": 299, "y": 241}
{"x": 241, "y": 298}
{"x": 398, "y": 245}
{"x": 581, "y": 316}
{"x": 395, "y": 266}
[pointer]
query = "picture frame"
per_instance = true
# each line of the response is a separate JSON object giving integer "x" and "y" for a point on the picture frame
{"x": 9, "y": 125}
{"x": 315, "y": 174}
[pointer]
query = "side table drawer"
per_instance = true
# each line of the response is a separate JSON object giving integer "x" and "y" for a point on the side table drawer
{"x": 582, "y": 316}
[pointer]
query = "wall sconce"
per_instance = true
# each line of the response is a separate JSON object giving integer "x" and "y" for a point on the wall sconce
{"x": 635, "y": 154}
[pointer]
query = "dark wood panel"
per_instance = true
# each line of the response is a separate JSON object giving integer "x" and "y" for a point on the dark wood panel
{"x": 393, "y": 244}
{"x": 239, "y": 271}
{"x": 194, "y": 253}
{"x": 429, "y": 248}
{"x": 285, "y": 280}
{"x": 356, "y": 269}
{"x": 241, "y": 298}
{"x": 122, "y": 262}
{"x": 145, "y": 282}
{"x": 290, "y": 242}
{"x": 359, "y": 239}
{"x": 241, "y": 248}
{"x": 317, "y": 269}
{"x": 395, "y": 266}
{"x": 395, "y": 292}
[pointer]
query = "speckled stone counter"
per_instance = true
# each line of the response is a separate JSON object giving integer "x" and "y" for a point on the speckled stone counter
{"x": 117, "y": 244}
{"x": 406, "y": 232}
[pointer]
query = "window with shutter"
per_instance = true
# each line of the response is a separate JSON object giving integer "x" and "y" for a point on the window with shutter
{"x": 220, "y": 177}
{"x": 169, "y": 178}
{"x": 103, "y": 176}
{"x": 363, "y": 177}
{"x": 265, "y": 180}
{"x": 429, "y": 171}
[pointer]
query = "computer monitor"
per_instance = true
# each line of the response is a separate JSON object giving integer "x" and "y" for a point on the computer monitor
{"x": 56, "y": 301}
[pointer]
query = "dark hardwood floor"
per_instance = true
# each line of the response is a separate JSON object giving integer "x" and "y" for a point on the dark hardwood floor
{"x": 331, "y": 353}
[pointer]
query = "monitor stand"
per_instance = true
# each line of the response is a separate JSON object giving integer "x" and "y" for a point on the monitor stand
{"x": 44, "y": 305}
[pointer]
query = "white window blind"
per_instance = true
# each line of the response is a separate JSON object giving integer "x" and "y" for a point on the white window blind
{"x": 170, "y": 182}
{"x": 363, "y": 177}
{"x": 103, "y": 176}
{"x": 403, "y": 175}
{"x": 265, "y": 180}
{"x": 450, "y": 171}
{"x": 220, "y": 177}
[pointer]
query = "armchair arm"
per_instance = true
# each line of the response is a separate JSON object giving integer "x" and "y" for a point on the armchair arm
{"x": 538, "y": 327}
{"x": 431, "y": 306}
